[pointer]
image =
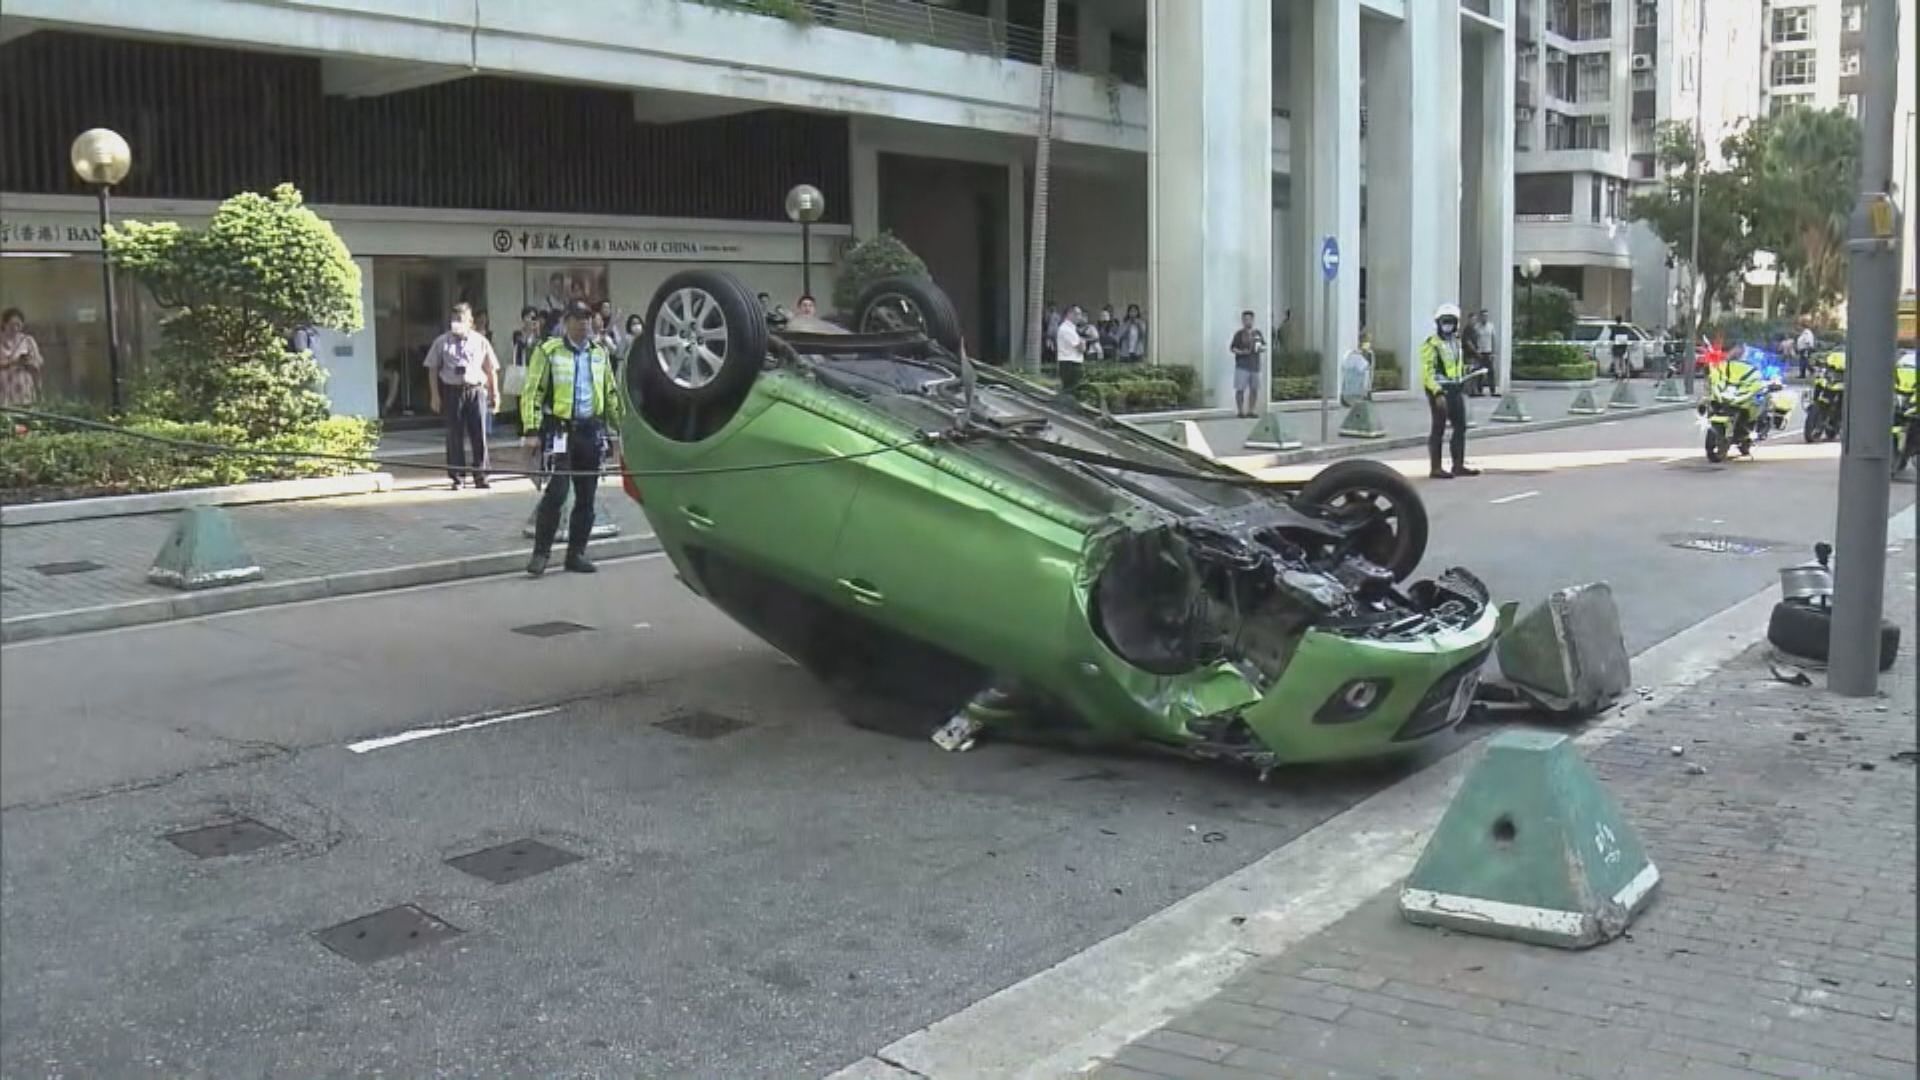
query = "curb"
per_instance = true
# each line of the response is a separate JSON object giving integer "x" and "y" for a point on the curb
{"x": 159, "y": 502}
{"x": 1407, "y": 442}
{"x": 271, "y": 593}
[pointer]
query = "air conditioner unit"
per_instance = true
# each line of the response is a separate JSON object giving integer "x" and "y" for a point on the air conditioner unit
{"x": 1594, "y": 60}
{"x": 1642, "y": 62}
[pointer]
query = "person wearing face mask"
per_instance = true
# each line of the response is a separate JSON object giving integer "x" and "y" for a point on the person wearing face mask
{"x": 1442, "y": 367}
{"x": 571, "y": 402}
{"x": 462, "y": 369}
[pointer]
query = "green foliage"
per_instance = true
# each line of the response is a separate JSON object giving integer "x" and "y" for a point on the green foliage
{"x": 69, "y": 464}
{"x": 791, "y": 10}
{"x": 264, "y": 267}
{"x": 870, "y": 260}
{"x": 1727, "y": 241}
{"x": 1296, "y": 362}
{"x": 1542, "y": 312}
{"x": 1134, "y": 395}
{"x": 1552, "y": 361}
{"x": 1296, "y": 388}
{"x": 1801, "y": 173}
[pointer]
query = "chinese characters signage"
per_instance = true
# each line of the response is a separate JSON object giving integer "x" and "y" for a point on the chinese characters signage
{"x": 550, "y": 242}
{"x": 42, "y": 236}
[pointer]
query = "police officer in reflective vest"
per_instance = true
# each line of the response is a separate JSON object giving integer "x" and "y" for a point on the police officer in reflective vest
{"x": 570, "y": 400}
{"x": 1442, "y": 369}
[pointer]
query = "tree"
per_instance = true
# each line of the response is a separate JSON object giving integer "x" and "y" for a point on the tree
{"x": 1801, "y": 170}
{"x": 1727, "y": 239}
{"x": 870, "y": 260}
{"x": 263, "y": 267}
{"x": 1544, "y": 312}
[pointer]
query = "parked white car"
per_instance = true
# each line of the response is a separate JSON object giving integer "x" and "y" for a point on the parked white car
{"x": 1597, "y": 336}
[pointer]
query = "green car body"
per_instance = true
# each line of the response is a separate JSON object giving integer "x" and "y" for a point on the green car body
{"x": 841, "y": 519}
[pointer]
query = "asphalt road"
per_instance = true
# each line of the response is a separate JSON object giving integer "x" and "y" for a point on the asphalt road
{"x": 762, "y": 890}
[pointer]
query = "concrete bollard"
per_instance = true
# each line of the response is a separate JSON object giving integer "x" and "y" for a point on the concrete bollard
{"x": 1623, "y": 395}
{"x": 1271, "y": 434}
{"x": 1360, "y": 423}
{"x": 1511, "y": 410}
{"x": 202, "y": 552}
{"x": 1584, "y": 404}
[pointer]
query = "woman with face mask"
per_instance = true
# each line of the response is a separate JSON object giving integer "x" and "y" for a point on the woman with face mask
{"x": 20, "y": 361}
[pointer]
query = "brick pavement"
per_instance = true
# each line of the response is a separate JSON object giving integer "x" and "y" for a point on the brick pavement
{"x": 314, "y": 538}
{"x": 1781, "y": 942}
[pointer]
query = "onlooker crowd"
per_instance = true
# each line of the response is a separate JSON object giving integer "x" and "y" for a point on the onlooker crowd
{"x": 1103, "y": 338}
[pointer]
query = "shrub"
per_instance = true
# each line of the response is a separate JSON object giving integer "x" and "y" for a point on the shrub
{"x": 1132, "y": 395}
{"x": 1296, "y": 387}
{"x": 1549, "y": 313}
{"x": 263, "y": 267}
{"x": 50, "y": 464}
{"x": 870, "y": 260}
{"x": 1552, "y": 361}
{"x": 1296, "y": 362}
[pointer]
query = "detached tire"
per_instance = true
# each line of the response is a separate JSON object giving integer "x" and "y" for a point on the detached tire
{"x": 1803, "y": 630}
{"x": 907, "y": 302}
{"x": 1354, "y": 491}
{"x": 705, "y": 341}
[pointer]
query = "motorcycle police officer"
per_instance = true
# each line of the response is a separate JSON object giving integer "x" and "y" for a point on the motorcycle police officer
{"x": 1442, "y": 367}
{"x": 570, "y": 400}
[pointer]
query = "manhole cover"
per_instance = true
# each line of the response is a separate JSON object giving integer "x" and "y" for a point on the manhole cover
{"x": 383, "y": 934}
{"x": 459, "y": 526}
{"x": 1722, "y": 545}
{"x": 82, "y": 566}
{"x": 228, "y": 838}
{"x": 513, "y": 861}
{"x": 550, "y": 629}
{"x": 701, "y": 725}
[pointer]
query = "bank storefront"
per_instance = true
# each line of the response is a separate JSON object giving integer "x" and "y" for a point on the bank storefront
{"x": 414, "y": 265}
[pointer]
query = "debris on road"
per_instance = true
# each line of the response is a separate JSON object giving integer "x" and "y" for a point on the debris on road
{"x": 1677, "y": 751}
{"x": 1904, "y": 757}
{"x": 1791, "y": 676}
{"x": 1694, "y": 768}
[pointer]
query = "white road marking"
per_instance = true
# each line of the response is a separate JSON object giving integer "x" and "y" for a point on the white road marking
{"x": 1504, "y": 499}
{"x": 416, "y": 734}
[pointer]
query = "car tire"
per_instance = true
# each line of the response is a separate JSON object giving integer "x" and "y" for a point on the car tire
{"x": 1399, "y": 541}
{"x": 1800, "y": 629}
{"x": 685, "y": 386}
{"x": 908, "y": 302}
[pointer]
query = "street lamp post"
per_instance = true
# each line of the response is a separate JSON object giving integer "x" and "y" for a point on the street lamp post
{"x": 1530, "y": 270}
{"x": 806, "y": 205}
{"x": 101, "y": 159}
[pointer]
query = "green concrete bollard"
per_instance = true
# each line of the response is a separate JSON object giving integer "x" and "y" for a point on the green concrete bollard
{"x": 1532, "y": 849}
{"x": 1584, "y": 405}
{"x": 1623, "y": 396}
{"x": 1670, "y": 390}
{"x": 1511, "y": 410}
{"x": 202, "y": 552}
{"x": 1360, "y": 423}
{"x": 1271, "y": 434}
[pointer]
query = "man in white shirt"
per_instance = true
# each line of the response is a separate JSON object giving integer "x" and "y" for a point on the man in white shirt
{"x": 1804, "y": 344}
{"x": 1070, "y": 350}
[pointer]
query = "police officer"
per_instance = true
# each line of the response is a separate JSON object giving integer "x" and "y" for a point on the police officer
{"x": 1442, "y": 366}
{"x": 570, "y": 399}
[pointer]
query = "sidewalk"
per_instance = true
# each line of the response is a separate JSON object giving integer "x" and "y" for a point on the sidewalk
{"x": 307, "y": 549}
{"x": 1780, "y": 942}
{"x": 1406, "y": 420}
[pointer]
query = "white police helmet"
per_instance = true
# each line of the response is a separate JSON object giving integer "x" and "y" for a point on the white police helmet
{"x": 1446, "y": 311}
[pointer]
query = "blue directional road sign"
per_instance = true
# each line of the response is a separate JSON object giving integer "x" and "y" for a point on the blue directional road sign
{"x": 1329, "y": 257}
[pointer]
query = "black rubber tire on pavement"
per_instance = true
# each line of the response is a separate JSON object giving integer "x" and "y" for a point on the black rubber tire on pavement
{"x": 1716, "y": 444}
{"x": 1816, "y": 428}
{"x": 1398, "y": 543}
{"x": 690, "y": 403}
{"x": 907, "y": 301}
{"x": 1802, "y": 629}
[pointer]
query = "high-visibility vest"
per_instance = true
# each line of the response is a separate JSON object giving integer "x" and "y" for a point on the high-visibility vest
{"x": 550, "y": 375}
{"x": 1440, "y": 360}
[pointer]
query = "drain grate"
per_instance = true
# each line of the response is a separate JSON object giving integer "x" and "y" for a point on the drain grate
{"x": 701, "y": 725}
{"x": 237, "y": 837}
{"x": 513, "y": 861}
{"x": 57, "y": 569}
{"x": 550, "y": 629}
{"x": 1717, "y": 544}
{"x": 370, "y": 939}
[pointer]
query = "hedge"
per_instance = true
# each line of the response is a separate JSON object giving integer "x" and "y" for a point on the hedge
{"x": 1552, "y": 361}
{"x": 1307, "y": 387}
{"x": 48, "y": 464}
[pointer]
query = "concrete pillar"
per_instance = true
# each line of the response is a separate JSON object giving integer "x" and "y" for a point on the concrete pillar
{"x": 1210, "y": 180}
{"x": 864, "y": 175}
{"x": 997, "y": 18}
{"x": 1016, "y": 261}
{"x": 1493, "y": 228}
{"x": 1413, "y": 173}
{"x": 1325, "y": 159}
{"x": 352, "y": 361}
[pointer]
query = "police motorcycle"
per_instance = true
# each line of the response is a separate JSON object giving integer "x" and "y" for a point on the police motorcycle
{"x": 1747, "y": 400}
{"x": 1906, "y": 411}
{"x": 1826, "y": 401}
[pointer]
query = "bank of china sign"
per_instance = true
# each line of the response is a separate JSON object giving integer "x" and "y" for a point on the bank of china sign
{"x": 549, "y": 242}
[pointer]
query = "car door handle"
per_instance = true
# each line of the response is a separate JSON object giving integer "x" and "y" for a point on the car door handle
{"x": 863, "y": 592}
{"x": 696, "y": 517}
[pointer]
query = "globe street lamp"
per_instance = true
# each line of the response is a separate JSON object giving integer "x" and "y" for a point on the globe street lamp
{"x": 806, "y": 205}
{"x": 101, "y": 159}
{"x": 1530, "y": 270}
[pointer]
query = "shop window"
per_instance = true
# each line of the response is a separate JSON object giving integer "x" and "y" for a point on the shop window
{"x": 61, "y": 296}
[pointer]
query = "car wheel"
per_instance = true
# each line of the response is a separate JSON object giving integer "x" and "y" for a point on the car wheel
{"x": 1802, "y": 629}
{"x": 706, "y": 340}
{"x": 906, "y": 302}
{"x": 1390, "y": 518}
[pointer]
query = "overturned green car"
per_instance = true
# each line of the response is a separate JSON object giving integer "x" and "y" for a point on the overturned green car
{"x": 983, "y": 555}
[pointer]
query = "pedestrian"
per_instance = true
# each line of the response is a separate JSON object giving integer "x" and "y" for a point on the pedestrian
{"x": 565, "y": 418}
{"x": 530, "y": 333}
{"x": 1441, "y": 369}
{"x": 1070, "y": 349}
{"x": 1108, "y": 331}
{"x": 1247, "y": 345}
{"x": 635, "y": 326}
{"x": 20, "y": 361}
{"x": 1487, "y": 344}
{"x": 1133, "y": 336}
{"x": 462, "y": 370}
{"x": 1622, "y": 339}
{"x": 604, "y": 309}
{"x": 605, "y": 335}
{"x": 1804, "y": 344}
{"x": 1049, "y": 334}
{"x": 805, "y": 306}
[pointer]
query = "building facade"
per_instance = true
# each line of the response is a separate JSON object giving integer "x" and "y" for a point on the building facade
{"x": 480, "y": 150}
